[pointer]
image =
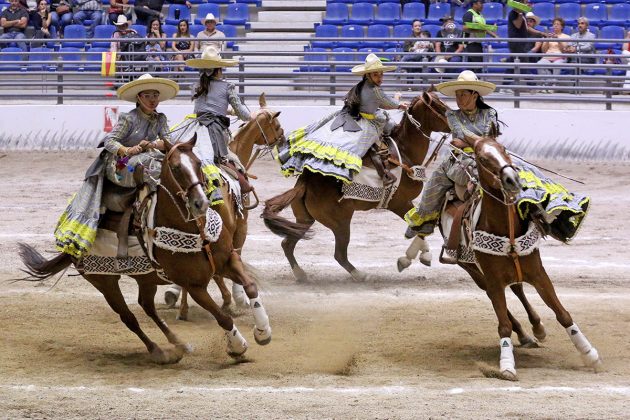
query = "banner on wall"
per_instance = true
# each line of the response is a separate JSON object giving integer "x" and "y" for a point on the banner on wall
{"x": 111, "y": 118}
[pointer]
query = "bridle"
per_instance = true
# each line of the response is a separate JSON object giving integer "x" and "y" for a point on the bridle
{"x": 418, "y": 125}
{"x": 268, "y": 144}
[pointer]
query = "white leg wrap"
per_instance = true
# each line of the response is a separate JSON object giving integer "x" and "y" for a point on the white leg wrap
{"x": 417, "y": 244}
{"x": 237, "y": 345}
{"x": 238, "y": 293}
{"x": 260, "y": 315}
{"x": 581, "y": 343}
{"x": 506, "y": 362}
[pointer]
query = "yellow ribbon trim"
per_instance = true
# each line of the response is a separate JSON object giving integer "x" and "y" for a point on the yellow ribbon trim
{"x": 187, "y": 117}
{"x": 414, "y": 219}
{"x": 367, "y": 116}
{"x": 321, "y": 151}
{"x": 292, "y": 171}
{"x": 70, "y": 232}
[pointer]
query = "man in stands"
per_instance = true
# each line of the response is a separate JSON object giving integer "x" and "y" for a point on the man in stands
{"x": 580, "y": 44}
{"x": 473, "y": 15}
{"x": 88, "y": 10}
{"x": 210, "y": 36}
{"x": 13, "y": 20}
{"x": 452, "y": 49}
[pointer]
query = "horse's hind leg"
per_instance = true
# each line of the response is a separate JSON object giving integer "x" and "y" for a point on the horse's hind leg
{"x": 288, "y": 244}
{"x": 537, "y": 326}
{"x": 108, "y": 286}
{"x": 225, "y": 292}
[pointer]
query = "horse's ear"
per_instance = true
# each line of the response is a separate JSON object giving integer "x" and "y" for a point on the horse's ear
{"x": 262, "y": 100}
{"x": 431, "y": 88}
{"x": 276, "y": 114}
{"x": 167, "y": 145}
{"x": 193, "y": 141}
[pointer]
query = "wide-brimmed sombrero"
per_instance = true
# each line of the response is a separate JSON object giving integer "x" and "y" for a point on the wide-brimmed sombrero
{"x": 531, "y": 15}
{"x": 210, "y": 59}
{"x": 372, "y": 64}
{"x": 467, "y": 80}
{"x": 129, "y": 91}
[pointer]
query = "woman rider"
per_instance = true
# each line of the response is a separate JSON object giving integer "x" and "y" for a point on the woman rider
{"x": 212, "y": 97}
{"x": 125, "y": 152}
{"x": 560, "y": 210}
{"x": 336, "y": 144}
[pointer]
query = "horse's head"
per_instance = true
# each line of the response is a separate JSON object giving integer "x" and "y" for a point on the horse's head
{"x": 494, "y": 165}
{"x": 429, "y": 110}
{"x": 181, "y": 171}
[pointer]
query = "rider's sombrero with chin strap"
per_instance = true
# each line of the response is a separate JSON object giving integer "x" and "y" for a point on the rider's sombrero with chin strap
{"x": 129, "y": 91}
{"x": 372, "y": 64}
{"x": 467, "y": 80}
{"x": 210, "y": 59}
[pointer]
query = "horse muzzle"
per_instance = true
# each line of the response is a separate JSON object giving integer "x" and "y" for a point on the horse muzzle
{"x": 510, "y": 180}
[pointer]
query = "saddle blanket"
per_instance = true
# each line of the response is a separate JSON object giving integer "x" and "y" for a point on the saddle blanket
{"x": 102, "y": 259}
{"x": 367, "y": 185}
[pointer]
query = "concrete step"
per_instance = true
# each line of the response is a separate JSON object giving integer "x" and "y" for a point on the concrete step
{"x": 284, "y": 17}
{"x": 287, "y": 26}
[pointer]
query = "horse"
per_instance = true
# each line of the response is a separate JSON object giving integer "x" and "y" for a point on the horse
{"x": 316, "y": 197}
{"x": 181, "y": 205}
{"x": 499, "y": 184}
{"x": 264, "y": 131}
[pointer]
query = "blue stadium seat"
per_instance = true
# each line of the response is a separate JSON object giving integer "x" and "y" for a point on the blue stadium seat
{"x": 220, "y": 1}
{"x": 570, "y": 12}
{"x": 433, "y": 29}
{"x": 412, "y": 11}
{"x": 391, "y": 53}
{"x": 195, "y": 29}
{"x": 11, "y": 54}
{"x": 204, "y": 9}
{"x": 237, "y": 14}
{"x": 364, "y": 52}
{"x": 351, "y": 31}
{"x": 196, "y": 1}
{"x": 592, "y": 1}
{"x": 567, "y": 1}
{"x": 184, "y": 13}
{"x": 400, "y": 32}
{"x": 103, "y": 31}
{"x": 169, "y": 32}
{"x": 322, "y": 56}
{"x": 93, "y": 56}
{"x": 619, "y": 14}
{"x": 141, "y": 29}
{"x": 73, "y": 32}
{"x": 545, "y": 11}
{"x": 254, "y": 2}
{"x": 388, "y": 14}
{"x": 493, "y": 12}
{"x": 348, "y": 56}
{"x": 71, "y": 54}
{"x": 336, "y": 14}
{"x": 502, "y": 32}
{"x": 362, "y": 14}
{"x": 596, "y": 13}
{"x": 378, "y": 31}
{"x": 437, "y": 11}
{"x": 458, "y": 13}
{"x": 326, "y": 31}
{"x": 504, "y": 54}
{"x": 41, "y": 54}
{"x": 230, "y": 31}
{"x": 610, "y": 32}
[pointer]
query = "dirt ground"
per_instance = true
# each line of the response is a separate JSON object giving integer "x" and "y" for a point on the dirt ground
{"x": 407, "y": 345}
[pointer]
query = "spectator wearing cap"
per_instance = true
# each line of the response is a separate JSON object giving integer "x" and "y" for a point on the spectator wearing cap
{"x": 210, "y": 36}
{"x": 418, "y": 47}
{"x": 580, "y": 44}
{"x": 88, "y": 10}
{"x": 451, "y": 50}
{"x": 473, "y": 15}
{"x": 13, "y": 20}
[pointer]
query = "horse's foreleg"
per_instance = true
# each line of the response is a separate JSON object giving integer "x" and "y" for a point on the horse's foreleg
{"x": 417, "y": 245}
{"x": 507, "y": 366}
{"x": 237, "y": 345}
{"x": 289, "y": 243}
{"x": 108, "y": 286}
{"x": 537, "y": 326}
{"x": 342, "y": 240}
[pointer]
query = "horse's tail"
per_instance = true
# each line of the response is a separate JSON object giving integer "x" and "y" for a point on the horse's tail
{"x": 278, "y": 224}
{"x": 39, "y": 268}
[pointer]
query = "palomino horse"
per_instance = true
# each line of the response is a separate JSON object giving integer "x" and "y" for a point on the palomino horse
{"x": 180, "y": 194}
{"x": 265, "y": 131}
{"x": 318, "y": 198}
{"x": 499, "y": 183}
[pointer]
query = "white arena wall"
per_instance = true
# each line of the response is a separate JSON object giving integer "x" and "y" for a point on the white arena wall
{"x": 555, "y": 134}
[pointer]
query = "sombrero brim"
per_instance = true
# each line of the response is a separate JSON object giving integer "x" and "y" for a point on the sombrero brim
{"x": 168, "y": 89}
{"x": 204, "y": 63}
{"x": 361, "y": 70}
{"x": 449, "y": 88}
{"x": 536, "y": 19}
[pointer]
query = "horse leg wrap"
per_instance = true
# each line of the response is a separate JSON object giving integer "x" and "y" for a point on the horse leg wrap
{"x": 237, "y": 345}
{"x": 506, "y": 362}
{"x": 171, "y": 295}
{"x": 262, "y": 329}
{"x": 417, "y": 244}
{"x": 588, "y": 352}
{"x": 238, "y": 293}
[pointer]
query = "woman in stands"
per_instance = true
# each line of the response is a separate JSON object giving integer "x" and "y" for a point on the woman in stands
{"x": 336, "y": 144}
{"x": 559, "y": 211}
{"x": 155, "y": 27}
{"x": 184, "y": 46}
{"x": 133, "y": 143}
{"x": 212, "y": 97}
{"x": 41, "y": 20}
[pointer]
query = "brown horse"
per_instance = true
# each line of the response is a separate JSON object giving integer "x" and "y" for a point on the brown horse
{"x": 499, "y": 183}
{"x": 316, "y": 197}
{"x": 264, "y": 131}
{"x": 180, "y": 193}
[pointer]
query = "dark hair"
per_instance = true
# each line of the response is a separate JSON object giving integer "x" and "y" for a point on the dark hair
{"x": 416, "y": 20}
{"x": 179, "y": 34}
{"x": 352, "y": 101}
{"x": 204, "y": 82}
{"x": 151, "y": 23}
{"x": 559, "y": 19}
{"x": 481, "y": 104}
{"x": 426, "y": 33}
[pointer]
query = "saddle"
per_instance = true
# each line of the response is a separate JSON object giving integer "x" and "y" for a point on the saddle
{"x": 459, "y": 207}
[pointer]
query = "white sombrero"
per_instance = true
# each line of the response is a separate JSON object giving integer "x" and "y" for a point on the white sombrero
{"x": 467, "y": 80}
{"x": 531, "y": 15}
{"x": 129, "y": 91}
{"x": 122, "y": 20}
{"x": 372, "y": 64}
{"x": 209, "y": 16}
{"x": 210, "y": 59}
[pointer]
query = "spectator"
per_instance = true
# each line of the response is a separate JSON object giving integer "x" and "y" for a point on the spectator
{"x": 122, "y": 31}
{"x": 210, "y": 36}
{"x": 118, "y": 8}
{"x": 580, "y": 44}
{"x": 14, "y": 20}
{"x": 40, "y": 20}
{"x": 61, "y": 15}
{"x": 155, "y": 28}
{"x": 452, "y": 48}
{"x": 550, "y": 48}
{"x": 146, "y": 9}
{"x": 185, "y": 46}
{"x": 626, "y": 53}
{"x": 473, "y": 15}
{"x": 418, "y": 47}
{"x": 155, "y": 52}
{"x": 88, "y": 10}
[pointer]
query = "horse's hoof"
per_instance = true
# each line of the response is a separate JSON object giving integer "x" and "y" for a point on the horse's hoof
{"x": 425, "y": 258}
{"x": 236, "y": 354}
{"x": 185, "y": 347}
{"x": 262, "y": 337}
{"x": 528, "y": 342}
{"x": 403, "y": 263}
{"x": 170, "y": 297}
{"x": 508, "y": 375}
{"x": 358, "y": 275}
{"x": 539, "y": 332}
{"x": 299, "y": 274}
{"x": 236, "y": 343}
{"x": 592, "y": 359}
{"x": 598, "y": 366}
{"x": 167, "y": 357}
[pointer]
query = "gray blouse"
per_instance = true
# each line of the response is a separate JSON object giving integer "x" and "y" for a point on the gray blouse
{"x": 221, "y": 94}
{"x": 135, "y": 126}
{"x": 481, "y": 125}
{"x": 373, "y": 98}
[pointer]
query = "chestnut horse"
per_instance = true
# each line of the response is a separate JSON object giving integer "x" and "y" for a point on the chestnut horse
{"x": 500, "y": 184}
{"x": 316, "y": 197}
{"x": 180, "y": 192}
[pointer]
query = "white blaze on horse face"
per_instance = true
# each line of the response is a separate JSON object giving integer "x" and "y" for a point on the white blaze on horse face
{"x": 493, "y": 152}
{"x": 187, "y": 167}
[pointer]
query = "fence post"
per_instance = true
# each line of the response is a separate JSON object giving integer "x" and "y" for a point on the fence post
{"x": 609, "y": 91}
{"x": 517, "y": 80}
{"x": 241, "y": 79}
{"x": 333, "y": 81}
{"x": 59, "y": 89}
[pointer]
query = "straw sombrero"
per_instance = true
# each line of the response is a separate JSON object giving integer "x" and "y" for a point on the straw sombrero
{"x": 122, "y": 20}
{"x": 129, "y": 91}
{"x": 466, "y": 80}
{"x": 372, "y": 64}
{"x": 210, "y": 59}
{"x": 209, "y": 16}
{"x": 531, "y": 15}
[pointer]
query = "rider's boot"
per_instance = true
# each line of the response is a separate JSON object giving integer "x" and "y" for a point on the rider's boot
{"x": 425, "y": 230}
{"x": 387, "y": 177}
{"x": 243, "y": 182}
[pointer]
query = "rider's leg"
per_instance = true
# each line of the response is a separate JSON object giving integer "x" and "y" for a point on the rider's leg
{"x": 387, "y": 177}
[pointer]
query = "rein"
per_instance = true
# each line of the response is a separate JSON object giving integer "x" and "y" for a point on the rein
{"x": 418, "y": 125}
